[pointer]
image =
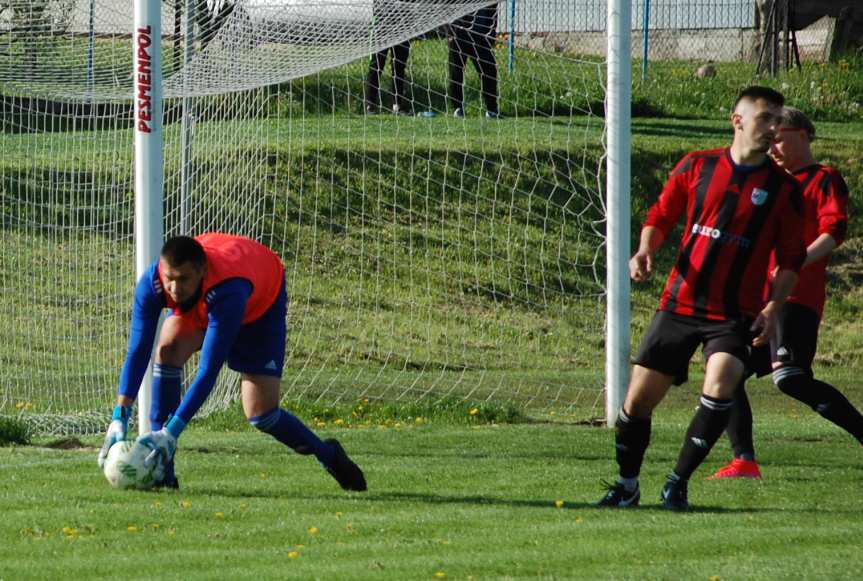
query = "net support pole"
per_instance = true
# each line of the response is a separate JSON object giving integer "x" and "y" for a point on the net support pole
{"x": 147, "y": 97}
{"x": 91, "y": 48}
{"x": 512, "y": 15}
{"x": 645, "y": 39}
{"x": 187, "y": 124}
{"x": 618, "y": 99}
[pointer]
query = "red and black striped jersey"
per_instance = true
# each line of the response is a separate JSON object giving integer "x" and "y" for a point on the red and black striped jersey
{"x": 825, "y": 211}
{"x": 736, "y": 216}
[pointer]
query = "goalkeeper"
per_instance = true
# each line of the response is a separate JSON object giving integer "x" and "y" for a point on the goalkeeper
{"x": 228, "y": 300}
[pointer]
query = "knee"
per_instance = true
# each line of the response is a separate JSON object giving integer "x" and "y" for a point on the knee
{"x": 795, "y": 382}
{"x": 266, "y": 421}
{"x": 639, "y": 407}
{"x": 169, "y": 353}
{"x": 790, "y": 380}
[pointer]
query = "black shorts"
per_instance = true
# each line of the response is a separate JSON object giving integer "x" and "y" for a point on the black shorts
{"x": 671, "y": 341}
{"x": 794, "y": 344}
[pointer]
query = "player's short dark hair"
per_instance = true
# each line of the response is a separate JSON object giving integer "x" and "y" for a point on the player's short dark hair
{"x": 180, "y": 250}
{"x": 756, "y": 92}
{"x": 797, "y": 119}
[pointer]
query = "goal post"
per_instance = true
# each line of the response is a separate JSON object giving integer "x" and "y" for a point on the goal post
{"x": 618, "y": 208}
{"x": 147, "y": 105}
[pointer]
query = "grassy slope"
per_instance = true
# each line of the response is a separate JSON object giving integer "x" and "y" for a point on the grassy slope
{"x": 351, "y": 356}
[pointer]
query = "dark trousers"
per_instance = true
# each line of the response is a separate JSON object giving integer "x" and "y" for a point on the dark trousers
{"x": 479, "y": 49}
{"x": 400, "y": 54}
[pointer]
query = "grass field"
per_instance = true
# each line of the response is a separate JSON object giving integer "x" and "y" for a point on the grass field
{"x": 446, "y": 500}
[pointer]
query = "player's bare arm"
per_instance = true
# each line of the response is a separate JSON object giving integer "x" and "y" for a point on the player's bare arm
{"x": 820, "y": 248}
{"x": 641, "y": 264}
{"x": 783, "y": 284}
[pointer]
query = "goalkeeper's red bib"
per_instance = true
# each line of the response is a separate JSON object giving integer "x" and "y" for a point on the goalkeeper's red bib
{"x": 235, "y": 257}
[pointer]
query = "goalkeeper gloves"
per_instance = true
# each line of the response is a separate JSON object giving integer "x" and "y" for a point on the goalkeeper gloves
{"x": 162, "y": 443}
{"x": 117, "y": 430}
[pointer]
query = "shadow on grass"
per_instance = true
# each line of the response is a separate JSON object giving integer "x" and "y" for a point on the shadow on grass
{"x": 675, "y": 130}
{"x": 492, "y": 501}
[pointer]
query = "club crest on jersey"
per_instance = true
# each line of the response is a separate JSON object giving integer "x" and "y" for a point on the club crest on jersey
{"x": 759, "y": 196}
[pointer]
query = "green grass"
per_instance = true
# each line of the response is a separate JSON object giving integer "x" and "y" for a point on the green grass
{"x": 470, "y": 501}
{"x": 826, "y": 91}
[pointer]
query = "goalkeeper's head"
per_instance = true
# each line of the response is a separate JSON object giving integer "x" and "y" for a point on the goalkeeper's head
{"x": 183, "y": 264}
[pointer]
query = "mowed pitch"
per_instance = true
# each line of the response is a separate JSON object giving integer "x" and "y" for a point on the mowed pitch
{"x": 445, "y": 502}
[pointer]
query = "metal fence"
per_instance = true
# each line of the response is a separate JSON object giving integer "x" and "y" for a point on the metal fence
{"x": 543, "y": 16}
{"x": 695, "y": 30}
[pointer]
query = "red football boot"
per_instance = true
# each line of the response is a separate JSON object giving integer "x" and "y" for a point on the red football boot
{"x": 738, "y": 468}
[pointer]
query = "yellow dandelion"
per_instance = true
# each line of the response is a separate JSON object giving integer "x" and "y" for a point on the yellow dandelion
{"x": 70, "y": 531}
{"x": 28, "y": 406}
{"x": 263, "y": 475}
{"x": 293, "y": 554}
{"x": 350, "y": 527}
{"x": 339, "y": 422}
{"x": 314, "y": 530}
{"x": 186, "y": 504}
{"x": 714, "y": 578}
{"x": 338, "y": 515}
{"x": 419, "y": 420}
{"x": 219, "y": 515}
{"x": 243, "y": 505}
{"x": 300, "y": 546}
{"x": 155, "y": 526}
{"x": 19, "y": 405}
{"x": 579, "y": 520}
{"x": 366, "y": 400}
{"x": 559, "y": 503}
{"x": 473, "y": 411}
{"x": 132, "y": 529}
{"x": 440, "y": 575}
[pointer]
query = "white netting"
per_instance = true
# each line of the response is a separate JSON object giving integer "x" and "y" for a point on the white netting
{"x": 427, "y": 255}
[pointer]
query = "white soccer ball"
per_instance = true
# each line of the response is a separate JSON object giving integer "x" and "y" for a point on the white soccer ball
{"x": 125, "y": 468}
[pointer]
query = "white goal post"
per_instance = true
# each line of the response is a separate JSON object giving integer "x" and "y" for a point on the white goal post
{"x": 147, "y": 77}
{"x": 617, "y": 127}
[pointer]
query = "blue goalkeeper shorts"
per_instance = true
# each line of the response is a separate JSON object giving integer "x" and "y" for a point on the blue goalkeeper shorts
{"x": 260, "y": 345}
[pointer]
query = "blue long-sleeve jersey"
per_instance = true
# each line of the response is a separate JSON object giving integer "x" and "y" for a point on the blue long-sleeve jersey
{"x": 226, "y": 304}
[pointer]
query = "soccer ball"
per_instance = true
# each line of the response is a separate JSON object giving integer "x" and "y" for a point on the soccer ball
{"x": 125, "y": 468}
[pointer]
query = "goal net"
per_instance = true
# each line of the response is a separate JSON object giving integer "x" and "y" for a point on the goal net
{"x": 435, "y": 251}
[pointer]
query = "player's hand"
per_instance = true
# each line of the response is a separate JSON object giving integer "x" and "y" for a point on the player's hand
{"x": 765, "y": 323}
{"x": 117, "y": 431}
{"x": 641, "y": 266}
{"x": 162, "y": 444}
